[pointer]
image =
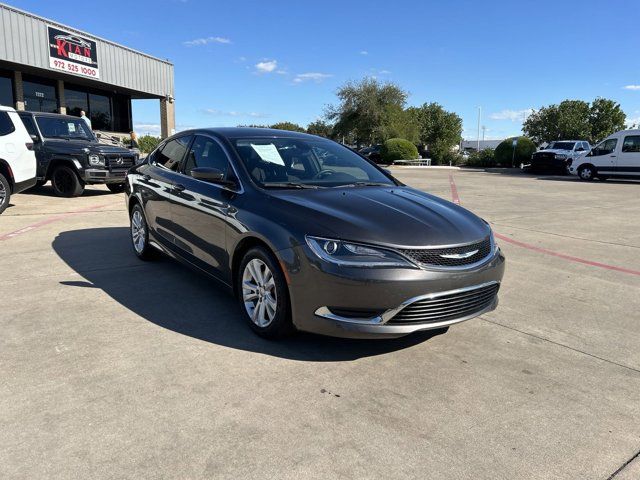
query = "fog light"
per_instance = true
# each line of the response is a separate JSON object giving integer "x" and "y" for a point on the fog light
{"x": 330, "y": 247}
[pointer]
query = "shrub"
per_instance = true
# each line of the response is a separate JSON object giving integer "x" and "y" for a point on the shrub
{"x": 398, "y": 149}
{"x": 504, "y": 154}
{"x": 484, "y": 158}
{"x": 147, "y": 143}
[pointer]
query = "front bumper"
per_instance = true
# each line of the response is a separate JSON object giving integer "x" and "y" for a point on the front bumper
{"x": 103, "y": 175}
{"x": 547, "y": 163}
{"x": 360, "y": 302}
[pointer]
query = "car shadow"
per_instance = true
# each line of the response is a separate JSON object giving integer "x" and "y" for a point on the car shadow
{"x": 549, "y": 176}
{"x": 174, "y": 297}
{"x": 47, "y": 191}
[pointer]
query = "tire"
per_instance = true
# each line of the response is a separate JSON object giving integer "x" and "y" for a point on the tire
{"x": 5, "y": 193}
{"x": 586, "y": 173}
{"x": 263, "y": 294}
{"x": 65, "y": 182}
{"x": 139, "y": 232}
{"x": 115, "y": 187}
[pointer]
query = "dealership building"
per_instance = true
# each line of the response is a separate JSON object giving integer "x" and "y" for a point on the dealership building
{"x": 49, "y": 67}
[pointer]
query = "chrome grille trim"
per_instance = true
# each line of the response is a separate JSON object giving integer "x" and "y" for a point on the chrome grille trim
{"x": 451, "y": 257}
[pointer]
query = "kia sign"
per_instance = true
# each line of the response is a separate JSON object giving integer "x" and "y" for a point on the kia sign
{"x": 72, "y": 53}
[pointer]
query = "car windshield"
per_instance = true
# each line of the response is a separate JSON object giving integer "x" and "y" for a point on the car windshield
{"x": 561, "y": 145}
{"x": 64, "y": 127}
{"x": 305, "y": 163}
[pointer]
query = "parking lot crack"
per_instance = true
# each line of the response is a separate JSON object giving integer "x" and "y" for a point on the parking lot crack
{"x": 624, "y": 465}
{"x": 577, "y": 350}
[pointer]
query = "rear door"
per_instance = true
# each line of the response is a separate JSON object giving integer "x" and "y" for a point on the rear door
{"x": 14, "y": 147}
{"x": 158, "y": 187}
{"x": 628, "y": 164}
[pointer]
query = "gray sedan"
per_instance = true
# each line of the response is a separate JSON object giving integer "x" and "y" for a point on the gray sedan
{"x": 309, "y": 235}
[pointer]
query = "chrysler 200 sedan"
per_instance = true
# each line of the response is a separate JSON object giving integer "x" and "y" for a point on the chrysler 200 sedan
{"x": 311, "y": 236}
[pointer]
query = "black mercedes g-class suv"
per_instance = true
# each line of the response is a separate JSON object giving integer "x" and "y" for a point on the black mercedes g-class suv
{"x": 69, "y": 155}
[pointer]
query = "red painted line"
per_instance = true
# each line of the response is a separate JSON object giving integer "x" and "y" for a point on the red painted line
{"x": 49, "y": 220}
{"x": 454, "y": 190}
{"x": 528, "y": 246}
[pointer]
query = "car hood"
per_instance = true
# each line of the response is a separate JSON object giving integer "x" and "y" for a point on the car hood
{"x": 79, "y": 146}
{"x": 393, "y": 216}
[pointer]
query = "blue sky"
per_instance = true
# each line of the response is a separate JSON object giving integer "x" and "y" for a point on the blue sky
{"x": 262, "y": 62}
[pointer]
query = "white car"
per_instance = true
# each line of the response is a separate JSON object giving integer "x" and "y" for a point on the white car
{"x": 17, "y": 158}
{"x": 617, "y": 156}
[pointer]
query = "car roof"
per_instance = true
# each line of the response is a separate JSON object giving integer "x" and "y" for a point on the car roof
{"x": 48, "y": 114}
{"x": 249, "y": 132}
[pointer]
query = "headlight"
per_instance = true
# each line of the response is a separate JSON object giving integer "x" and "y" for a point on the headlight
{"x": 560, "y": 156}
{"x": 96, "y": 160}
{"x": 355, "y": 255}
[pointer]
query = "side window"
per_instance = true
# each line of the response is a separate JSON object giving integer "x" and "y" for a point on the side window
{"x": 30, "y": 125}
{"x": 206, "y": 152}
{"x": 6, "y": 125}
{"x": 172, "y": 153}
{"x": 605, "y": 148}
{"x": 631, "y": 144}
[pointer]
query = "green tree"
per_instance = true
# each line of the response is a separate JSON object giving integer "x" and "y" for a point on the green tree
{"x": 438, "y": 129}
{"x": 320, "y": 128}
{"x": 575, "y": 119}
{"x": 367, "y": 110}
{"x": 606, "y": 117}
{"x": 398, "y": 149}
{"x": 506, "y": 156}
{"x": 294, "y": 127}
{"x": 148, "y": 143}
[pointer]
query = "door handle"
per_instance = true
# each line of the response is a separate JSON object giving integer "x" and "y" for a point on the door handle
{"x": 179, "y": 187}
{"x": 612, "y": 156}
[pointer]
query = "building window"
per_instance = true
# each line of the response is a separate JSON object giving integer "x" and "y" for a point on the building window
{"x": 100, "y": 112}
{"x": 40, "y": 96}
{"x": 76, "y": 101}
{"x": 6, "y": 91}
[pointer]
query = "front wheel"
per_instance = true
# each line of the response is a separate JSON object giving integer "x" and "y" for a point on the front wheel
{"x": 5, "y": 193}
{"x": 65, "y": 182}
{"x": 586, "y": 173}
{"x": 263, "y": 294}
{"x": 140, "y": 234}
{"x": 115, "y": 187}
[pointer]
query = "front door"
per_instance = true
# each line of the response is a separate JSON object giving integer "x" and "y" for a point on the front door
{"x": 629, "y": 157}
{"x": 202, "y": 210}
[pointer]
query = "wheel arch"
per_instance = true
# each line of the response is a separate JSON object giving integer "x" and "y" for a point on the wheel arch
{"x": 55, "y": 162}
{"x": 5, "y": 169}
{"x": 243, "y": 246}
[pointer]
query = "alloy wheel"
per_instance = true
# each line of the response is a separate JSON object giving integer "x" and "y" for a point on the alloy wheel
{"x": 138, "y": 232}
{"x": 3, "y": 194}
{"x": 259, "y": 293}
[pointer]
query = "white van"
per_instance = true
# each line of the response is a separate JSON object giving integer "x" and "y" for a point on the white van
{"x": 617, "y": 156}
{"x": 17, "y": 158}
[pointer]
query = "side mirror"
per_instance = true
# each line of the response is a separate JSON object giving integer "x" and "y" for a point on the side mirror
{"x": 207, "y": 174}
{"x": 35, "y": 138}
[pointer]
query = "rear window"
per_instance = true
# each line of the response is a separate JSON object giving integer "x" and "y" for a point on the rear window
{"x": 6, "y": 125}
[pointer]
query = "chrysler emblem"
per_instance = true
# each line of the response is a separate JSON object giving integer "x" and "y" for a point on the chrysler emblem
{"x": 460, "y": 256}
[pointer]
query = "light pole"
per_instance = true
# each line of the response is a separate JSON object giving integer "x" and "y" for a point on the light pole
{"x": 479, "y": 117}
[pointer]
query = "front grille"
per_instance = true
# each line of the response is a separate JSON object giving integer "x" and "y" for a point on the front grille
{"x": 445, "y": 307}
{"x": 451, "y": 256}
{"x": 112, "y": 161}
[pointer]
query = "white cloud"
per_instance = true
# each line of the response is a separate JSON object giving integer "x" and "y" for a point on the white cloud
{"x": 384, "y": 72}
{"x": 311, "y": 77}
{"x": 363, "y": 52}
{"x": 631, "y": 87}
{"x": 266, "y": 66}
{"x": 232, "y": 113}
{"x": 513, "y": 115}
{"x": 197, "y": 42}
{"x": 153, "y": 129}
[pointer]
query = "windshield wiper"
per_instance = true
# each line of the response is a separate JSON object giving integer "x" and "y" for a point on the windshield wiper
{"x": 288, "y": 185}
{"x": 365, "y": 184}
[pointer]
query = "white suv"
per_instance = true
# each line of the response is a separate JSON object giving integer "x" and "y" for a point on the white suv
{"x": 17, "y": 158}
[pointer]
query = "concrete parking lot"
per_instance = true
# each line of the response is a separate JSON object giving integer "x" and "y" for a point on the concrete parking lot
{"x": 114, "y": 368}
